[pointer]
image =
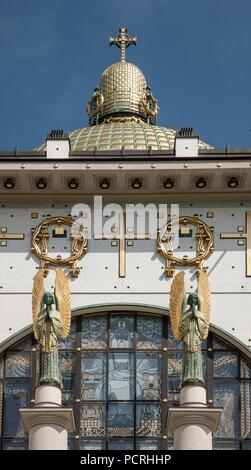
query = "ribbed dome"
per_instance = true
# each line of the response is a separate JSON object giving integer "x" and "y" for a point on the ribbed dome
{"x": 130, "y": 135}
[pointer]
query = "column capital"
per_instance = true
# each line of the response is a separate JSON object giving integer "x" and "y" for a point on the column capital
{"x": 51, "y": 415}
{"x": 192, "y": 415}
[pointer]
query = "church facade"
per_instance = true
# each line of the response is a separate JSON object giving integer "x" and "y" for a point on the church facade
{"x": 122, "y": 206}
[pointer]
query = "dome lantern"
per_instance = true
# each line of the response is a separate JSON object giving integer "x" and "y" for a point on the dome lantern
{"x": 123, "y": 93}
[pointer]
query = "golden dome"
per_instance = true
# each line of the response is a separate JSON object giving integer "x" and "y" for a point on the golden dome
{"x": 129, "y": 135}
{"x": 123, "y": 86}
{"x": 122, "y": 111}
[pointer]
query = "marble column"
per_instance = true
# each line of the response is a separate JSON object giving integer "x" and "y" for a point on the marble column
{"x": 193, "y": 421}
{"x": 48, "y": 422}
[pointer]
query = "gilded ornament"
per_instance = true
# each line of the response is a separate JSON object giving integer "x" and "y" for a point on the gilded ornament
{"x": 95, "y": 104}
{"x": 204, "y": 244}
{"x": 39, "y": 244}
{"x": 149, "y": 103}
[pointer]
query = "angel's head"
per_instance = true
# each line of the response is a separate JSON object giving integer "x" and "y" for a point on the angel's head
{"x": 193, "y": 299}
{"x": 48, "y": 298}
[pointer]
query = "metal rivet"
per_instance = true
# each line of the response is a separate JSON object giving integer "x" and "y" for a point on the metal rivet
{"x": 164, "y": 349}
{"x": 55, "y": 166}
{"x": 218, "y": 165}
{"x": 78, "y": 349}
{"x": 77, "y": 400}
{"x": 33, "y": 401}
{"x": 210, "y": 402}
{"x": 164, "y": 437}
{"x": 210, "y": 349}
{"x": 23, "y": 166}
{"x": 34, "y": 349}
{"x": 76, "y": 437}
{"x": 88, "y": 165}
{"x": 153, "y": 165}
{"x": 120, "y": 165}
{"x": 185, "y": 165}
{"x": 164, "y": 400}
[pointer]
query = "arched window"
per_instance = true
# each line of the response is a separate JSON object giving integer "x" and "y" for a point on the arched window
{"x": 120, "y": 372}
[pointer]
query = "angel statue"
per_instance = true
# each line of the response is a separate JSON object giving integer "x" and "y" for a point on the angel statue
{"x": 51, "y": 314}
{"x": 190, "y": 324}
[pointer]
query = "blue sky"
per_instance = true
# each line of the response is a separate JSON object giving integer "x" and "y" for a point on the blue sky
{"x": 195, "y": 54}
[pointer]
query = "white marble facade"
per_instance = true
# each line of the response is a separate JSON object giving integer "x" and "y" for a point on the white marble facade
{"x": 144, "y": 283}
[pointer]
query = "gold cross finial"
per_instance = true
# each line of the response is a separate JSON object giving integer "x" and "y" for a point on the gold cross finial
{"x": 123, "y": 40}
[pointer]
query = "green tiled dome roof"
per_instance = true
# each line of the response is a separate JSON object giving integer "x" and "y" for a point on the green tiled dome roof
{"x": 130, "y": 135}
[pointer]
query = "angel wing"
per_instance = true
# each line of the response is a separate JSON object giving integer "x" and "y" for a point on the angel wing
{"x": 204, "y": 294}
{"x": 37, "y": 295}
{"x": 63, "y": 296}
{"x": 177, "y": 295}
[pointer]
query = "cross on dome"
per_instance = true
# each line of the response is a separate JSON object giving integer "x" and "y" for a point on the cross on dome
{"x": 123, "y": 40}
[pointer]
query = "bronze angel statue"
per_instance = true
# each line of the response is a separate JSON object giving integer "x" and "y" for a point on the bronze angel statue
{"x": 190, "y": 315}
{"x": 51, "y": 315}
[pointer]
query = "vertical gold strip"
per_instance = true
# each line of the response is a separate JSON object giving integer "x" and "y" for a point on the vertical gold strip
{"x": 248, "y": 247}
{"x": 122, "y": 254}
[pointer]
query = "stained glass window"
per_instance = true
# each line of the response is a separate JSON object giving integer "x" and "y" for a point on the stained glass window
{"x": 121, "y": 379}
{"x": 149, "y": 332}
{"x": 16, "y": 395}
{"x": 92, "y": 445}
{"x": 94, "y": 332}
{"x": 149, "y": 373}
{"x": 120, "y": 420}
{"x": 94, "y": 376}
{"x": 67, "y": 362}
{"x": 226, "y": 445}
{"x": 120, "y": 372}
{"x": 70, "y": 341}
{"x": 17, "y": 364}
{"x": 121, "y": 331}
{"x": 148, "y": 420}
{"x": 92, "y": 420}
{"x": 225, "y": 364}
{"x": 148, "y": 444}
{"x": 245, "y": 409}
{"x": 245, "y": 369}
{"x": 119, "y": 444}
{"x": 226, "y": 395}
{"x": 174, "y": 374}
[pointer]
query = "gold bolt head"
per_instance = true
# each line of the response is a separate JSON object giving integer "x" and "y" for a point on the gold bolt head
{"x": 23, "y": 166}
{"x": 34, "y": 349}
{"x": 209, "y": 349}
{"x": 153, "y": 165}
{"x": 33, "y": 402}
{"x": 77, "y": 400}
{"x": 78, "y": 349}
{"x": 210, "y": 402}
{"x": 164, "y": 349}
{"x": 55, "y": 166}
{"x": 76, "y": 437}
{"x": 88, "y": 166}
{"x": 164, "y": 400}
{"x": 164, "y": 437}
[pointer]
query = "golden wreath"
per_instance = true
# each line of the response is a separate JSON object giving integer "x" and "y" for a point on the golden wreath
{"x": 144, "y": 102}
{"x": 99, "y": 98}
